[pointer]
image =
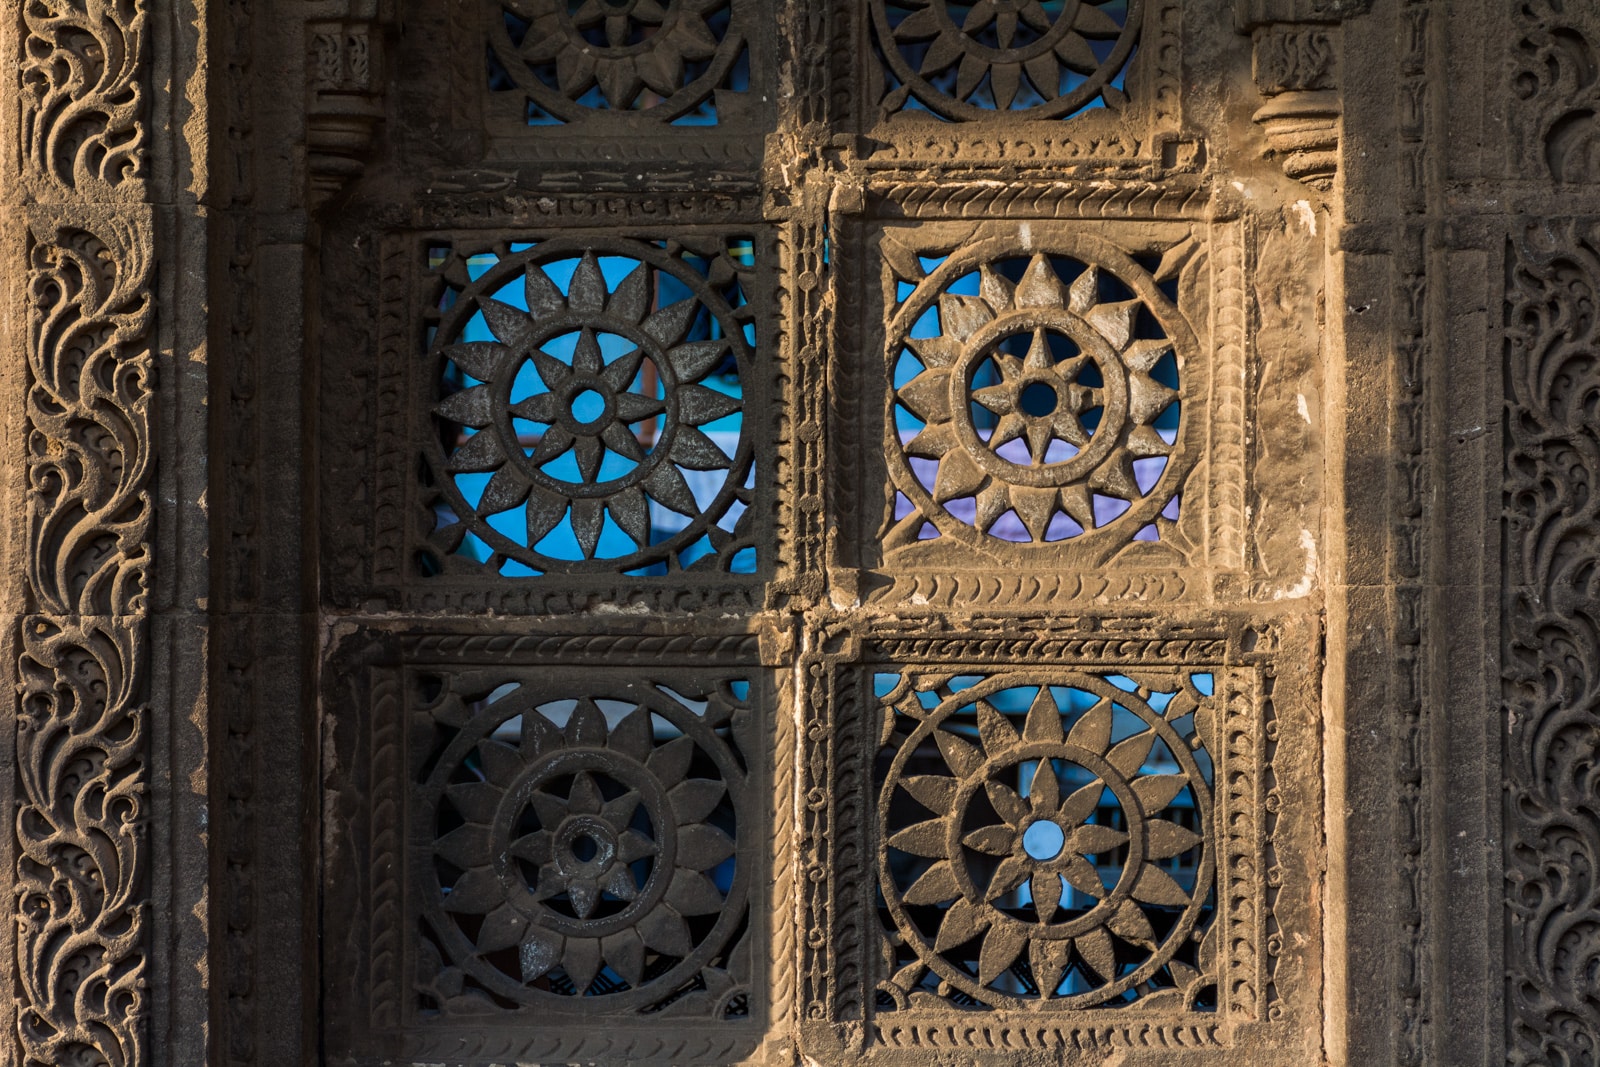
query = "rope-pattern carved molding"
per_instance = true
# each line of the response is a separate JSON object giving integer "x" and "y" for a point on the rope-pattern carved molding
{"x": 81, "y": 880}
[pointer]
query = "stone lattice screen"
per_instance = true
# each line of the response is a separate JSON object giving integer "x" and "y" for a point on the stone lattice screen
{"x": 749, "y": 532}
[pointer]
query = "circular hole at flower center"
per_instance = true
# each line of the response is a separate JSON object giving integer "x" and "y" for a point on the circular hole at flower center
{"x": 1043, "y": 840}
{"x": 588, "y": 406}
{"x": 584, "y": 848}
{"x": 1038, "y": 399}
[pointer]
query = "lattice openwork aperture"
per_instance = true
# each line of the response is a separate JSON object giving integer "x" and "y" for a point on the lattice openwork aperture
{"x": 1037, "y": 396}
{"x": 584, "y": 852}
{"x": 684, "y": 62}
{"x": 1043, "y": 840}
{"x": 591, "y": 406}
{"x": 1034, "y": 58}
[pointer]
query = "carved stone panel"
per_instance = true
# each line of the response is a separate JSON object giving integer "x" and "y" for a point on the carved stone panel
{"x": 553, "y": 846}
{"x": 1048, "y": 411}
{"x": 572, "y": 414}
{"x": 1091, "y": 85}
{"x": 1070, "y": 836}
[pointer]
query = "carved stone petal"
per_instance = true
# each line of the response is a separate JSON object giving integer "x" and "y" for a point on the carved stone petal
{"x": 620, "y": 884}
{"x": 961, "y": 923}
{"x": 584, "y": 895}
{"x": 937, "y": 885}
{"x": 624, "y": 951}
{"x": 620, "y": 372}
{"x": 1045, "y": 75}
{"x": 665, "y": 483}
{"x": 465, "y": 846}
{"x": 511, "y": 325}
{"x": 962, "y": 316}
{"x": 544, "y": 512}
{"x": 536, "y": 847}
{"x": 992, "y": 840}
{"x": 585, "y": 796}
{"x": 544, "y": 299}
{"x": 588, "y": 518}
{"x": 1098, "y": 952}
{"x": 1007, "y": 804}
{"x": 1039, "y": 287}
{"x": 928, "y": 395}
{"x": 1092, "y": 732}
{"x": 501, "y": 762}
{"x": 1094, "y": 840}
{"x": 1075, "y": 502}
{"x": 502, "y": 928}
{"x": 476, "y": 801}
{"x": 665, "y": 931}
{"x": 995, "y": 730}
{"x": 1044, "y": 793}
{"x": 581, "y": 961}
{"x": 669, "y": 762}
{"x": 695, "y": 450}
{"x": 922, "y": 839}
{"x": 1164, "y": 839}
{"x": 482, "y": 360}
{"x": 586, "y": 728}
{"x": 698, "y": 405}
{"x": 1128, "y": 756}
{"x": 1034, "y": 506}
{"x": 631, "y": 511}
{"x": 1044, "y": 718}
{"x": 934, "y": 441}
{"x": 1083, "y": 877}
{"x": 1093, "y": 22}
{"x": 962, "y": 757}
{"x": 668, "y": 325}
{"x": 1081, "y": 804}
{"x": 1012, "y": 872}
{"x": 694, "y": 360}
{"x": 481, "y": 453}
{"x": 505, "y": 491}
{"x": 933, "y": 791}
{"x": 1001, "y": 947}
{"x": 995, "y": 288}
{"x": 1155, "y": 791}
{"x": 701, "y": 847}
{"x": 619, "y": 810}
{"x": 470, "y": 407}
{"x": 1048, "y": 958}
{"x": 1085, "y": 290}
{"x": 936, "y": 353}
{"x": 1046, "y": 889}
{"x": 695, "y": 798}
{"x": 1156, "y": 886}
{"x": 1114, "y": 322}
{"x": 476, "y": 892}
{"x": 632, "y": 845}
{"x": 1129, "y": 923}
{"x": 692, "y": 893}
{"x": 1147, "y": 398}
{"x": 540, "y": 952}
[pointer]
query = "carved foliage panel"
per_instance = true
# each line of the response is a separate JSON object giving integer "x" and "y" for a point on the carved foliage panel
{"x": 1048, "y": 396}
{"x": 1058, "y": 835}
{"x": 563, "y": 848}
{"x": 81, "y": 876}
{"x": 1550, "y": 680}
{"x": 1555, "y": 96}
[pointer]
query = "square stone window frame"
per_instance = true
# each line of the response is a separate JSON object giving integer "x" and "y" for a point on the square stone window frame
{"x": 1144, "y": 139}
{"x": 1216, "y": 390}
{"x": 379, "y": 484}
{"x": 494, "y": 129}
{"x": 370, "y": 910}
{"x": 1267, "y": 825}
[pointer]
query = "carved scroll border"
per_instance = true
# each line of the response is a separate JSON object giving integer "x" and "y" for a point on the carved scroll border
{"x": 1268, "y": 772}
{"x": 82, "y": 780}
{"x": 82, "y": 851}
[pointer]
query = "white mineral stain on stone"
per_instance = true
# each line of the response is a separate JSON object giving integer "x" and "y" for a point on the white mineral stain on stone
{"x": 1300, "y": 404}
{"x": 1303, "y": 586}
{"x": 1308, "y": 218}
{"x": 1025, "y": 232}
{"x": 1248, "y": 195}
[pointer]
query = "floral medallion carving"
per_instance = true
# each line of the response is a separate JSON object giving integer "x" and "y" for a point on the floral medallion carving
{"x": 591, "y": 408}
{"x": 670, "y": 59}
{"x": 1050, "y": 856}
{"x": 581, "y": 851}
{"x": 1043, "y": 387}
{"x": 1020, "y": 57}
